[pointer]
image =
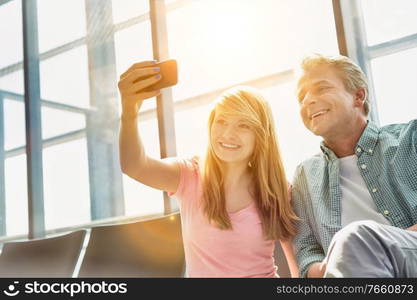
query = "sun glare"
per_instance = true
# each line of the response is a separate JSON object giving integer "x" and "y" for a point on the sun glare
{"x": 231, "y": 21}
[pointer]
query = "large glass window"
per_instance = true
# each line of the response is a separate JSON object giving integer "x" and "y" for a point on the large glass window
{"x": 64, "y": 79}
{"x": 86, "y": 45}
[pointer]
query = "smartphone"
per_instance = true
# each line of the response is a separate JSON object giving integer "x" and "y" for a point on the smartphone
{"x": 169, "y": 75}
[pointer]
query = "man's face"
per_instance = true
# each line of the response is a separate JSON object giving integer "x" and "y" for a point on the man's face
{"x": 326, "y": 107}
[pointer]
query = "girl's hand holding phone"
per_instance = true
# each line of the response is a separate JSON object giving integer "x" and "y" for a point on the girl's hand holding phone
{"x": 144, "y": 80}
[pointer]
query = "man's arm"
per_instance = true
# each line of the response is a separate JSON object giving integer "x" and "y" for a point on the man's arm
{"x": 316, "y": 270}
{"x": 309, "y": 251}
{"x": 412, "y": 228}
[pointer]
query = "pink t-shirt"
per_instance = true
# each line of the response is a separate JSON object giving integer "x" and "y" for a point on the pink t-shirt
{"x": 212, "y": 252}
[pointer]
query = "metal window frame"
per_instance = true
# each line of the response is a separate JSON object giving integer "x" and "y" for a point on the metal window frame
{"x": 393, "y": 46}
{"x": 62, "y": 138}
{"x": 351, "y": 33}
{"x": 36, "y": 213}
{"x": 164, "y": 102}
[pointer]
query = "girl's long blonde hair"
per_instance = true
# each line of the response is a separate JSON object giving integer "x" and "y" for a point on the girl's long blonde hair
{"x": 270, "y": 184}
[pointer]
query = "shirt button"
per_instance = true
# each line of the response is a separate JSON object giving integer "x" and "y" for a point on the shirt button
{"x": 363, "y": 166}
{"x": 370, "y": 150}
{"x": 374, "y": 190}
{"x": 386, "y": 212}
{"x": 358, "y": 149}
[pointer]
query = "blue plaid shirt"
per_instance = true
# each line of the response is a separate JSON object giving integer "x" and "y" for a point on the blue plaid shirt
{"x": 387, "y": 160}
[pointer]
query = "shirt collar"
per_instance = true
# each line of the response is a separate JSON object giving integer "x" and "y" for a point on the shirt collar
{"x": 328, "y": 154}
{"x": 366, "y": 143}
{"x": 368, "y": 140}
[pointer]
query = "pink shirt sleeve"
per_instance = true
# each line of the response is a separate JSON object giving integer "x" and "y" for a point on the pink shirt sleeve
{"x": 189, "y": 179}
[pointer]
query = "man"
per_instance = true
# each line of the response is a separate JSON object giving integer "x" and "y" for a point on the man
{"x": 357, "y": 198}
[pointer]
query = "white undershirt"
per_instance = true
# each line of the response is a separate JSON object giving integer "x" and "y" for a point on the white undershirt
{"x": 357, "y": 203}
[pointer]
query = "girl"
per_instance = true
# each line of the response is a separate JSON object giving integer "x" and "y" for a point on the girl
{"x": 234, "y": 203}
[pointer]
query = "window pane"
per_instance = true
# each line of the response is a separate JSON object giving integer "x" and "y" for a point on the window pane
{"x": 133, "y": 45}
{"x": 15, "y": 169}
{"x": 64, "y": 78}
{"x": 16, "y": 195}
{"x": 14, "y": 124}
{"x": 141, "y": 199}
{"x": 220, "y": 43}
{"x": 56, "y": 122}
{"x": 60, "y": 22}
{"x": 395, "y": 89}
{"x": 13, "y": 82}
{"x": 127, "y": 9}
{"x": 386, "y": 19}
{"x": 11, "y": 33}
{"x": 66, "y": 184}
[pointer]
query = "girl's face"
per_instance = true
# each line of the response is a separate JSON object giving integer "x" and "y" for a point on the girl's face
{"x": 232, "y": 138}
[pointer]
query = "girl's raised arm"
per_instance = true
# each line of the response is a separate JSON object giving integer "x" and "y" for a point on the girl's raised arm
{"x": 163, "y": 174}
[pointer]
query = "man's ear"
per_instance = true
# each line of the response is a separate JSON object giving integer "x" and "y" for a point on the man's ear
{"x": 360, "y": 96}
